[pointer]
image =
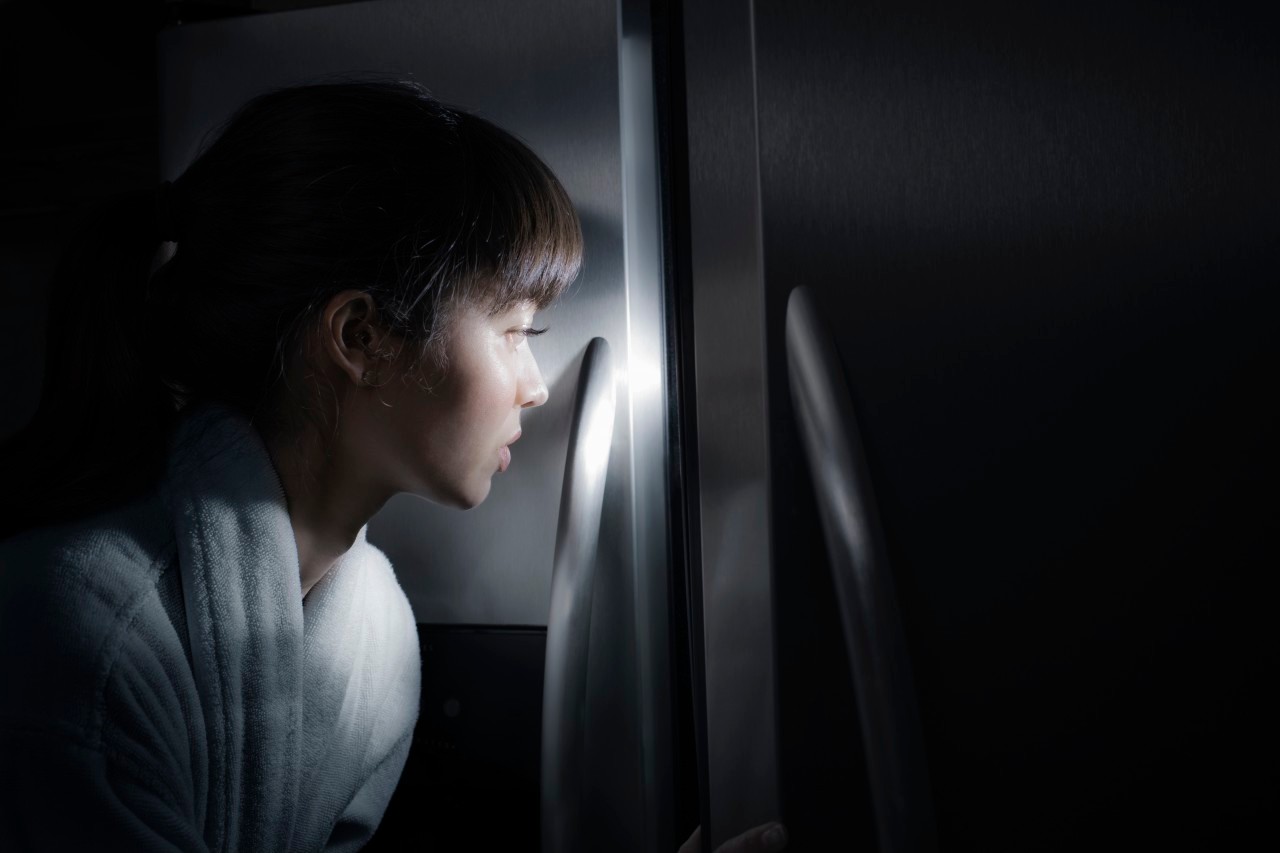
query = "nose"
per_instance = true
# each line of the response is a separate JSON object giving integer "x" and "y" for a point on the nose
{"x": 533, "y": 391}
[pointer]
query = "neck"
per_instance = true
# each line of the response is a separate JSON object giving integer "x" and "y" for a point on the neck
{"x": 329, "y": 503}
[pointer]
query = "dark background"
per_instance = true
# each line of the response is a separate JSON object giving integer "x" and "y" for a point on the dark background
{"x": 78, "y": 107}
{"x": 78, "y": 121}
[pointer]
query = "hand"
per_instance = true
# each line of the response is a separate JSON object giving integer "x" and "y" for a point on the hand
{"x": 766, "y": 838}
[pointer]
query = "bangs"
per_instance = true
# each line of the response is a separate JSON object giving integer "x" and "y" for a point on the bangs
{"x": 523, "y": 241}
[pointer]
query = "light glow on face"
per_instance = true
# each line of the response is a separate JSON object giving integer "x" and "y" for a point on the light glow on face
{"x": 448, "y": 439}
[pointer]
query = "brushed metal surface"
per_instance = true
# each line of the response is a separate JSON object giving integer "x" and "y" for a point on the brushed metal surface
{"x": 868, "y": 607}
{"x": 646, "y": 407}
{"x": 1045, "y": 235}
{"x": 731, "y": 405}
{"x": 564, "y": 692}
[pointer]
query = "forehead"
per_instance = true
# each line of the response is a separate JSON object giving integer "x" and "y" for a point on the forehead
{"x": 479, "y": 316}
{"x": 524, "y": 307}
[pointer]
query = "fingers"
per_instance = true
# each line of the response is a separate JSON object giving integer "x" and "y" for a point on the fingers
{"x": 694, "y": 844}
{"x": 766, "y": 838}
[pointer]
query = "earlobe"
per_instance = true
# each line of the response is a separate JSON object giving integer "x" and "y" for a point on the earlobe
{"x": 351, "y": 335}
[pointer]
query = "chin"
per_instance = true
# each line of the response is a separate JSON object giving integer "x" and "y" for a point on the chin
{"x": 462, "y": 496}
{"x": 472, "y": 498}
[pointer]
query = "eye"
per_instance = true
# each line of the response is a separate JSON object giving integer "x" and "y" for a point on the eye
{"x": 527, "y": 332}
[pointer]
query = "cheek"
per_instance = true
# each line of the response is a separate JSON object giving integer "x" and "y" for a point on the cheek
{"x": 483, "y": 407}
{"x": 494, "y": 388}
{"x": 455, "y": 433}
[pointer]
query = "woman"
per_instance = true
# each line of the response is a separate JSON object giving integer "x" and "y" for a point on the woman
{"x": 201, "y": 649}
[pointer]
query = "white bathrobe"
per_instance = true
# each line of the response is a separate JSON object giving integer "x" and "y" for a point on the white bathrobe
{"x": 164, "y": 686}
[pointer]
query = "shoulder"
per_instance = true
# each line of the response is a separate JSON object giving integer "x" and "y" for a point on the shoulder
{"x": 108, "y": 554}
{"x": 77, "y": 598}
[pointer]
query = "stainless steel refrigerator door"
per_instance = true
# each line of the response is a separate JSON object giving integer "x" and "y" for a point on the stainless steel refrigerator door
{"x": 1045, "y": 235}
{"x": 571, "y": 78}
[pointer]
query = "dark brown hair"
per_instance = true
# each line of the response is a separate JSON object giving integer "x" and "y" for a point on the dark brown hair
{"x": 306, "y": 191}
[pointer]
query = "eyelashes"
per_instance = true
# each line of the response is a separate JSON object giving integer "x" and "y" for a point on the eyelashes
{"x": 521, "y": 335}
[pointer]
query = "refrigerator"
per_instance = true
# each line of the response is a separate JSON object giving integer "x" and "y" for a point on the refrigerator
{"x": 901, "y": 476}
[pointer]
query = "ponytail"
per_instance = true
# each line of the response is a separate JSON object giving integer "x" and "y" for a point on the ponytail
{"x": 99, "y": 434}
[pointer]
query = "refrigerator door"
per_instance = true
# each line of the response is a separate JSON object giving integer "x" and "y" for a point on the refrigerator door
{"x": 572, "y": 79}
{"x": 1044, "y": 237}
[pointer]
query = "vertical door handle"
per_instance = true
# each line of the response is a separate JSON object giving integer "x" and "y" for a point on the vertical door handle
{"x": 564, "y": 684}
{"x": 872, "y": 628}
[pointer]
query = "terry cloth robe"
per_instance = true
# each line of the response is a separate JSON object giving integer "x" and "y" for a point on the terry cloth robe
{"x": 166, "y": 687}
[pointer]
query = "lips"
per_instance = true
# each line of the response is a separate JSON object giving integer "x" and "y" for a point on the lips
{"x": 504, "y": 452}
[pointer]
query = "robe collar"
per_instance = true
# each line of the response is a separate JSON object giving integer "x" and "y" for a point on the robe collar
{"x": 255, "y": 644}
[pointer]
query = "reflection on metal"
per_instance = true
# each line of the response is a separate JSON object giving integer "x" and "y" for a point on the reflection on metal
{"x": 564, "y": 691}
{"x": 872, "y": 630}
{"x": 645, "y": 405}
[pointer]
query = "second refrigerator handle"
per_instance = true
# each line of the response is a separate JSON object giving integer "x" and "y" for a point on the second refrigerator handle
{"x": 872, "y": 628}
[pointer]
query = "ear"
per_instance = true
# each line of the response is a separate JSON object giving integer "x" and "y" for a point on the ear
{"x": 350, "y": 335}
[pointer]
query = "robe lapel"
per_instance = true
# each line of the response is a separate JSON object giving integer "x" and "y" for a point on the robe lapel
{"x": 336, "y": 668}
{"x": 241, "y": 584}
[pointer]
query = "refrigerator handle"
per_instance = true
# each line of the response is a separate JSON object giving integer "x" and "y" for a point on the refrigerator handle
{"x": 864, "y": 587}
{"x": 564, "y": 684}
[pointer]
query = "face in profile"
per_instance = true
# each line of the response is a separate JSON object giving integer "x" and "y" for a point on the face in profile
{"x": 450, "y": 441}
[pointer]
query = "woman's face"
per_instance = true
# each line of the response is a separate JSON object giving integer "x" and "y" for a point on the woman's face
{"x": 448, "y": 443}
